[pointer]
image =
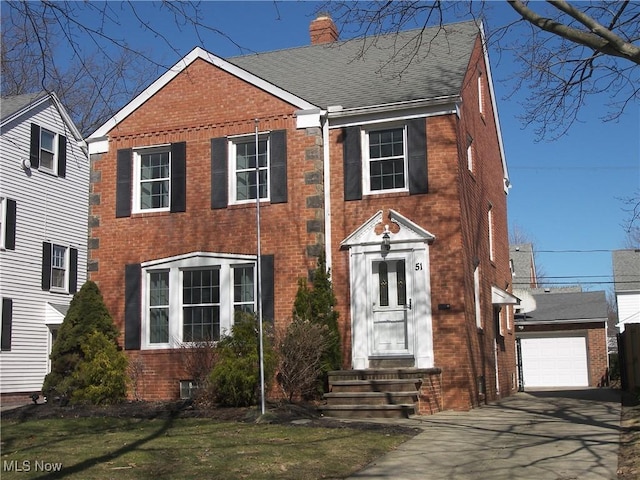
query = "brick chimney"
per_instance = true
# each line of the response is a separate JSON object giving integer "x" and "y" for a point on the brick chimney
{"x": 323, "y": 30}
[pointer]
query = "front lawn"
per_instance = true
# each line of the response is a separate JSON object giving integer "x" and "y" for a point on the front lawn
{"x": 184, "y": 448}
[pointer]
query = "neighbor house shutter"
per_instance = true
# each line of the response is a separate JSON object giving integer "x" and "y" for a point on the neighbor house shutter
{"x": 7, "y": 321}
{"x": 417, "y": 154}
{"x": 34, "y": 147}
{"x": 267, "y": 285}
{"x": 352, "y": 153}
{"x": 73, "y": 270}
{"x": 10, "y": 231}
{"x": 46, "y": 266}
{"x": 178, "y": 177}
{"x": 219, "y": 181}
{"x": 132, "y": 307}
{"x": 62, "y": 156}
{"x": 278, "y": 170}
{"x": 123, "y": 183}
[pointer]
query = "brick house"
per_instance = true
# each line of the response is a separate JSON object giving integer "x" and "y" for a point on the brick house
{"x": 392, "y": 168}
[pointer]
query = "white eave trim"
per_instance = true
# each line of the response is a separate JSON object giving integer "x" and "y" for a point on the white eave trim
{"x": 502, "y": 297}
{"x": 196, "y": 53}
{"x": 342, "y": 117}
{"x": 521, "y": 322}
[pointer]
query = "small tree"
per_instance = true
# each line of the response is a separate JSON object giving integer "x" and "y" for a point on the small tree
{"x": 235, "y": 378}
{"x": 317, "y": 306}
{"x": 78, "y": 343}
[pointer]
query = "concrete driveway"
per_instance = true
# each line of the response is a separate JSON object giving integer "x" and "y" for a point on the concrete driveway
{"x": 559, "y": 435}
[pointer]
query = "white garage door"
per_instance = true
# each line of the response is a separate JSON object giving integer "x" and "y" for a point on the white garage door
{"x": 554, "y": 362}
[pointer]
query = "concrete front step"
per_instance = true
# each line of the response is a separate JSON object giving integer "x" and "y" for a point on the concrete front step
{"x": 369, "y": 411}
{"x": 371, "y": 398}
{"x": 375, "y": 385}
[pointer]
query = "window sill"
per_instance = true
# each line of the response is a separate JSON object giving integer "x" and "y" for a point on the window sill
{"x": 163, "y": 213}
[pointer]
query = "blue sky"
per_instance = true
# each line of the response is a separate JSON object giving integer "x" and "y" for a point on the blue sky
{"x": 566, "y": 193}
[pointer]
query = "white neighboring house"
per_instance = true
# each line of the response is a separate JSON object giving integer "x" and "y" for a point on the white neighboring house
{"x": 626, "y": 277}
{"x": 44, "y": 192}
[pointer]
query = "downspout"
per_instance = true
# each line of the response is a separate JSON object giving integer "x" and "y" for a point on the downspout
{"x": 327, "y": 191}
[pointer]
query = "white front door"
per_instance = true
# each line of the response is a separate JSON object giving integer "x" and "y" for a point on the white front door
{"x": 391, "y": 303}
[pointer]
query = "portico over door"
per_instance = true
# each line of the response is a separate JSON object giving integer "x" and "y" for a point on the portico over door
{"x": 390, "y": 293}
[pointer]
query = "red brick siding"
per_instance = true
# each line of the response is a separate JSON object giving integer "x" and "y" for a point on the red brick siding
{"x": 201, "y": 103}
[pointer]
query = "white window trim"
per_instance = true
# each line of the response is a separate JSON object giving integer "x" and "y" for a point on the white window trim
{"x": 54, "y": 167}
{"x": 366, "y": 178}
{"x": 3, "y": 223}
{"x": 476, "y": 296}
{"x": 136, "y": 203}
{"x": 176, "y": 266}
{"x": 490, "y": 233}
{"x": 470, "y": 153}
{"x": 232, "y": 149}
{"x": 65, "y": 287}
{"x": 480, "y": 94}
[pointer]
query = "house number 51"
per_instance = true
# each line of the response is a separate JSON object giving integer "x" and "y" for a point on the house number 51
{"x": 419, "y": 266}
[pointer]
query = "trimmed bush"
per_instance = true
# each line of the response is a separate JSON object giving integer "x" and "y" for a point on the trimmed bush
{"x": 235, "y": 378}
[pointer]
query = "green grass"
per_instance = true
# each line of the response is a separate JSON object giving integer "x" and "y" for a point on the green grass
{"x": 110, "y": 448}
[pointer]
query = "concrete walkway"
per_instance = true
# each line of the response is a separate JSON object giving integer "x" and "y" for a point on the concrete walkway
{"x": 556, "y": 435}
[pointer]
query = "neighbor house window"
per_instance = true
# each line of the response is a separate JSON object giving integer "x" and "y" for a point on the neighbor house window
{"x": 3, "y": 222}
{"x": 48, "y": 151}
{"x": 481, "y": 107}
{"x": 470, "y": 153}
{"x": 194, "y": 298}
{"x": 59, "y": 268}
{"x": 385, "y": 160}
{"x": 152, "y": 179}
{"x": 246, "y": 179}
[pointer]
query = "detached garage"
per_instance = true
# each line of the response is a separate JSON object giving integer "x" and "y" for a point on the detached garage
{"x": 562, "y": 343}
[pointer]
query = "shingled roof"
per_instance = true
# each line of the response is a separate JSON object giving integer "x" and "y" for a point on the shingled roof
{"x": 567, "y": 308}
{"x": 399, "y": 67}
{"x": 15, "y": 103}
{"x": 626, "y": 270}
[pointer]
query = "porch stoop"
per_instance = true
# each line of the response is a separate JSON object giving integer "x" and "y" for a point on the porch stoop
{"x": 382, "y": 393}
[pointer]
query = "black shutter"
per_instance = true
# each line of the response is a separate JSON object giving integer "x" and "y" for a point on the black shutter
{"x": 7, "y": 320}
{"x": 73, "y": 270}
{"x": 278, "y": 170}
{"x": 132, "y": 306}
{"x": 62, "y": 156}
{"x": 417, "y": 153}
{"x": 352, "y": 152}
{"x": 179, "y": 177}
{"x": 123, "y": 183}
{"x": 46, "y": 266}
{"x": 268, "y": 284}
{"x": 34, "y": 148}
{"x": 219, "y": 172}
{"x": 10, "y": 232}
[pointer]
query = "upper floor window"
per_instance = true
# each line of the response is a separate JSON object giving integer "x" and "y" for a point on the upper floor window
{"x": 481, "y": 107}
{"x": 59, "y": 268}
{"x": 48, "y": 151}
{"x": 470, "y": 152}
{"x": 490, "y": 232}
{"x": 247, "y": 179}
{"x": 385, "y": 160}
{"x": 7, "y": 223}
{"x": 152, "y": 179}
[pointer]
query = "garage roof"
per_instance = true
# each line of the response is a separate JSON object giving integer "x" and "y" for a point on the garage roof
{"x": 567, "y": 308}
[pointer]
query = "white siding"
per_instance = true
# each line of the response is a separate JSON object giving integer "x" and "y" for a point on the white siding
{"x": 49, "y": 209}
{"x": 628, "y": 308}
